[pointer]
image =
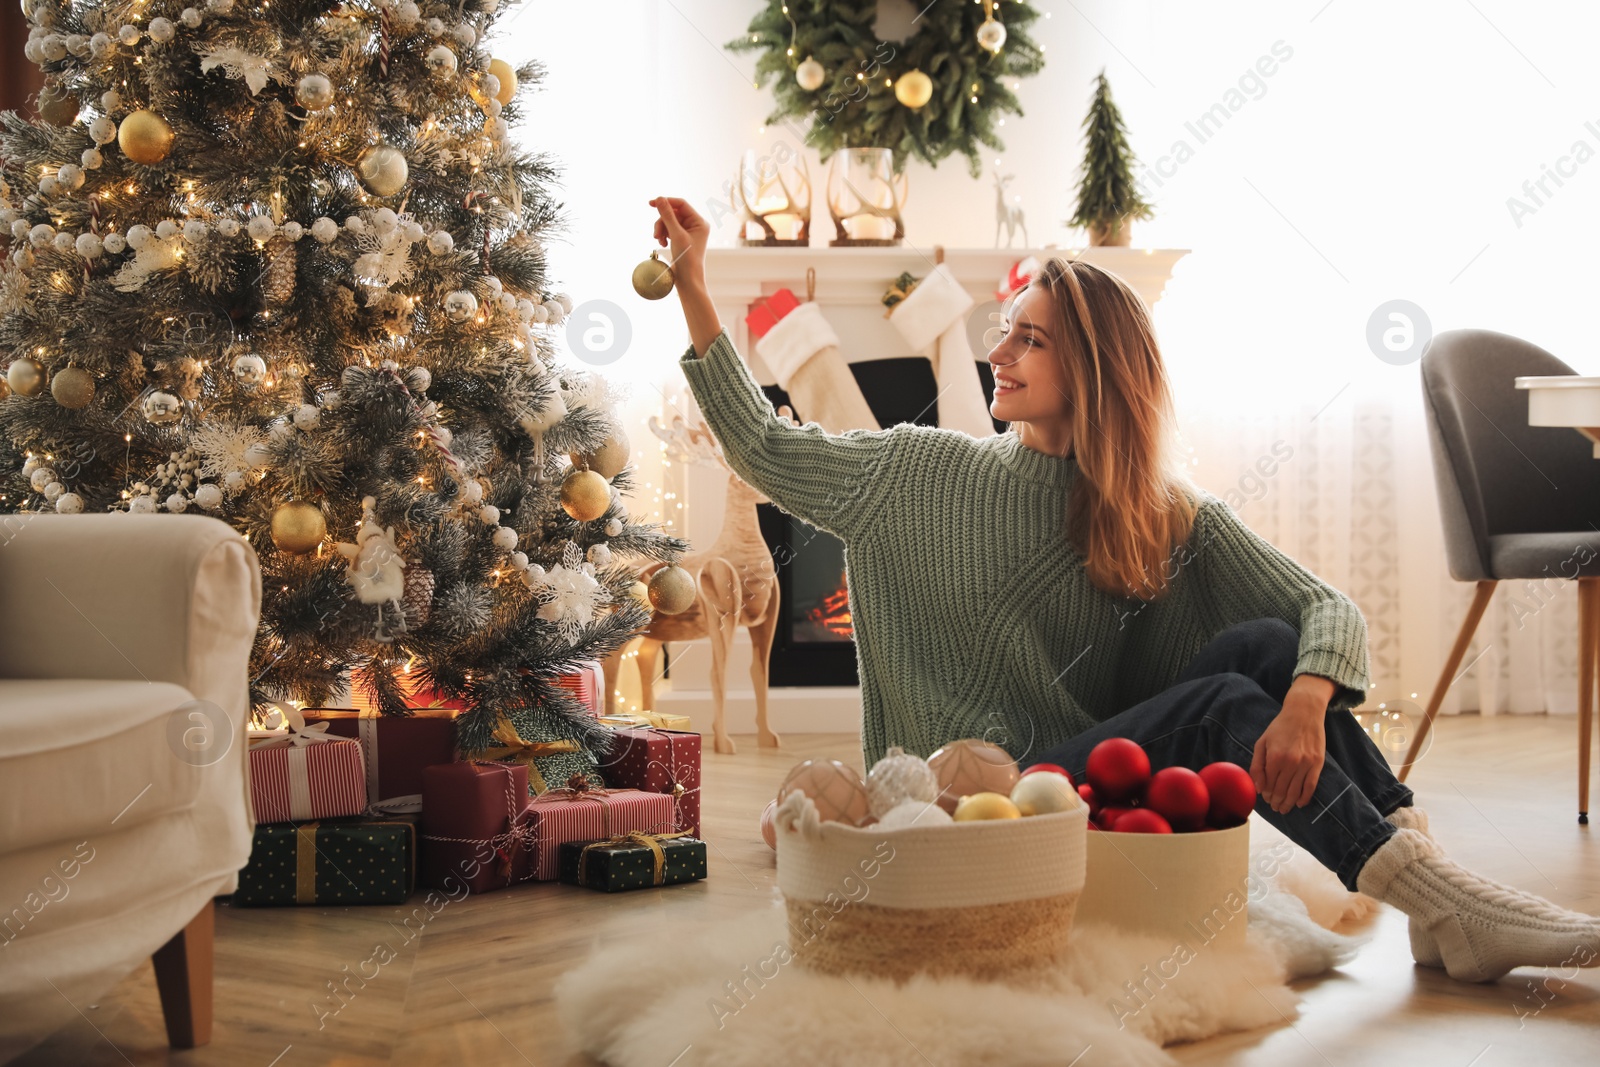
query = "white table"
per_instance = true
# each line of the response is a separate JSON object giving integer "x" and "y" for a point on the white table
{"x": 1564, "y": 400}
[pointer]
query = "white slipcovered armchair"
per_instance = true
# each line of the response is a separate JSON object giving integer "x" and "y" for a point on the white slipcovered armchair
{"x": 124, "y": 798}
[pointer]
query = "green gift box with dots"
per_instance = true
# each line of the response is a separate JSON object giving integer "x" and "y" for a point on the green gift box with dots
{"x": 614, "y": 866}
{"x": 334, "y": 861}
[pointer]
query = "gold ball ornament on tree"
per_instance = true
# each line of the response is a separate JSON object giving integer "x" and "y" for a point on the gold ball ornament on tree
{"x": 57, "y": 106}
{"x": 672, "y": 590}
{"x": 161, "y": 409}
{"x": 73, "y": 387}
{"x": 145, "y": 137}
{"x": 585, "y": 495}
{"x": 609, "y": 459}
{"x": 652, "y": 279}
{"x": 913, "y": 89}
{"x": 809, "y": 75}
{"x": 25, "y": 376}
{"x": 314, "y": 92}
{"x": 641, "y": 592}
{"x": 978, "y": 807}
{"x": 508, "y": 80}
{"x": 972, "y": 766}
{"x": 298, "y": 527}
{"x": 383, "y": 170}
{"x": 837, "y": 790}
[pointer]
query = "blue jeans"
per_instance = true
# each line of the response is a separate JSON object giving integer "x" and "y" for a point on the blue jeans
{"x": 1221, "y": 704}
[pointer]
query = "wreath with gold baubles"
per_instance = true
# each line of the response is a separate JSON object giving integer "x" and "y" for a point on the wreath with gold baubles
{"x": 944, "y": 88}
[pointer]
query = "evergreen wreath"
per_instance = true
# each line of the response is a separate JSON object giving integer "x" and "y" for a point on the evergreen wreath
{"x": 856, "y": 107}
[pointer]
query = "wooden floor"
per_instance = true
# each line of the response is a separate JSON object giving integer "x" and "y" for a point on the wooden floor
{"x": 473, "y": 987}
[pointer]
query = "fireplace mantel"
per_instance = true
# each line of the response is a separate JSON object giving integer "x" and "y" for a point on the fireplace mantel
{"x": 851, "y": 283}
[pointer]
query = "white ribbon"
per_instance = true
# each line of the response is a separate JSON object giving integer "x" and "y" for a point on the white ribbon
{"x": 299, "y": 790}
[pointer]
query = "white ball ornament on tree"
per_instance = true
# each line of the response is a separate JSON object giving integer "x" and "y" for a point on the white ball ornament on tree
{"x": 460, "y": 305}
{"x": 129, "y": 34}
{"x": 440, "y": 60}
{"x": 194, "y": 231}
{"x": 228, "y": 227}
{"x": 140, "y": 236}
{"x": 505, "y": 538}
{"x": 307, "y": 416}
{"x": 65, "y": 242}
{"x": 440, "y": 242}
{"x": 233, "y": 481}
{"x": 161, "y": 30}
{"x": 102, "y": 130}
{"x": 43, "y": 234}
{"x": 249, "y": 369}
{"x": 809, "y": 75}
{"x": 70, "y": 176}
{"x": 489, "y": 515}
{"x": 99, "y": 45}
{"x": 191, "y": 17}
{"x": 177, "y": 503}
{"x": 89, "y": 245}
{"x": 260, "y": 227}
{"x": 69, "y": 504}
{"x": 166, "y": 229}
{"x": 291, "y": 230}
{"x": 221, "y": 7}
{"x": 405, "y": 15}
{"x": 614, "y": 527}
{"x": 143, "y": 504}
{"x": 40, "y": 478}
{"x": 208, "y": 496}
{"x": 599, "y": 555}
{"x": 324, "y": 230}
{"x": 53, "y": 491}
{"x": 114, "y": 244}
{"x": 91, "y": 158}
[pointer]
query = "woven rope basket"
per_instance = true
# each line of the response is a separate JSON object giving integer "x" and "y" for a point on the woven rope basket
{"x": 992, "y": 901}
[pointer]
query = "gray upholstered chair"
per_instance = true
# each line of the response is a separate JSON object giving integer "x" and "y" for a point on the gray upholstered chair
{"x": 1518, "y": 502}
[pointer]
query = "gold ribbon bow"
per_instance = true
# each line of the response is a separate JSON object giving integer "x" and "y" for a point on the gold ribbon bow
{"x": 514, "y": 749}
{"x": 632, "y": 839}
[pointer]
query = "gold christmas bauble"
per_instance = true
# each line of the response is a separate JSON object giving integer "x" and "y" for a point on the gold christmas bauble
{"x": 145, "y": 137}
{"x": 609, "y": 459}
{"x": 297, "y": 527}
{"x": 383, "y": 170}
{"x": 508, "y": 80}
{"x": 57, "y": 106}
{"x": 585, "y": 495}
{"x": 972, "y": 766}
{"x": 73, "y": 387}
{"x": 979, "y": 806}
{"x": 913, "y": 89}
{"x": 641, "y": 592}
{"x": 672, "y": 590}
{"x": 652, "y": 279}
{"x": 5, "y": 387}
{"x": 25, "y": 376}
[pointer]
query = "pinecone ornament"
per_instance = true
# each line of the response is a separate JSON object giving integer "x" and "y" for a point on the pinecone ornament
{"x": 277, "y": 280}
{"x": 418, "y": 598}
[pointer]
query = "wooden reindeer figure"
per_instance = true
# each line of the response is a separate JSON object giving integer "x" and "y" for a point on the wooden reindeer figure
{"x": 1008, "y": 216}
{"x": 737, "y": 585}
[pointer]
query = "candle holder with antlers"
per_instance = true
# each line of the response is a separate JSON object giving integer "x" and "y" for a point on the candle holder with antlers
{"x": 865, "y": 196}
{"x": 736, "y": 584}
{"x": 773, "y": 196}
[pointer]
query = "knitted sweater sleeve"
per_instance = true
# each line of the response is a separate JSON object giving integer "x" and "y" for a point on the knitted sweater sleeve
{"x": 1245, "y": 577}
{"x": 828, "y": 480}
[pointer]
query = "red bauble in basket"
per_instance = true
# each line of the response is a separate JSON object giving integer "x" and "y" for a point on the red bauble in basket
{"x": 1142, "y": 821}
{"x": 1233, "y": 794}
{"x": 1118, "y": 769}
{"x": 1086, "y": 791}
{"x": 1180, "y": 796}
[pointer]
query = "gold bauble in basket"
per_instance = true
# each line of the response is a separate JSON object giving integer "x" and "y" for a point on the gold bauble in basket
{"x": 838, "y": 791}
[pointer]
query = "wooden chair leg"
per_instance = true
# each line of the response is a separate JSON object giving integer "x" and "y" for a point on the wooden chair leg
{"x": 1588, "y": 652}
{"x": 183, "y": 976}
{"x": 1469, "y": 626}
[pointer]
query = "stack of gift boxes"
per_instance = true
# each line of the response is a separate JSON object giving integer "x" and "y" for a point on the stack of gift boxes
{"x": 353, "y": 807}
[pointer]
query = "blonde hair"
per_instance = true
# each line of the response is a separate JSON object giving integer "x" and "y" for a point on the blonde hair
{"x": 1131, "y": 506}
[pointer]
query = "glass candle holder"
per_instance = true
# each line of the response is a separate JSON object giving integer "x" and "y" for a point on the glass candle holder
{"x": 865, "y": 197}
{"x": 772, "y": 193}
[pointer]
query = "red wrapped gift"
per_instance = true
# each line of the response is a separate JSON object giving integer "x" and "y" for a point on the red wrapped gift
{"x": 397, "y": 749}
{"x": 580, "y": 812}
{"x": 767, "y": 310}
{"x": 587, "y": 685}
{"x": 476, "y": 829}
{"x": 301, "y": 777}
{"x": 659, "y": 761}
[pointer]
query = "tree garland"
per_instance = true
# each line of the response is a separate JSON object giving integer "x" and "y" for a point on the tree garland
{"x": 857, "y": 98}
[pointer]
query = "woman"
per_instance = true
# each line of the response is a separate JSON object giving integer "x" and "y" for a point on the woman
{"x": 1063, "y": 583}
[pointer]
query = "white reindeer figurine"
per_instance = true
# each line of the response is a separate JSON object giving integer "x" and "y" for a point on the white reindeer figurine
{"x": 736, "y": 583}
{"x": 1008, "y": 216}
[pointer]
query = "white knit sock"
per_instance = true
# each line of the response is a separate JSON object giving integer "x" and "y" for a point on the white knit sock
{"x": 1423, "y": 947}
{"x": 1483, "y": 929}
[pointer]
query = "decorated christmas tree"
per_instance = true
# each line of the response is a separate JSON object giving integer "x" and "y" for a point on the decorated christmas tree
{"x": 282, "y": 263}
{"x": 1108, "y": 199}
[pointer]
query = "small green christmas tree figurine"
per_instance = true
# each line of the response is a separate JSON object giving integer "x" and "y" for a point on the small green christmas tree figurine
{"x": 1108, "y": 201}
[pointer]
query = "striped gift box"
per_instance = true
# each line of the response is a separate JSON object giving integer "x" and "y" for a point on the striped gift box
{"x": 589, "y": 815}
{"x": 587, "y": 685}
{"x": 318, "y": 780}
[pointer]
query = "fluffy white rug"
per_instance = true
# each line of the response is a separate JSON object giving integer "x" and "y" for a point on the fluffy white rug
{"x": 737, "y": 998}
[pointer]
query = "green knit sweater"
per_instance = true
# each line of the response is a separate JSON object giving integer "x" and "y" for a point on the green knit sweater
{"x": 973, "y": 614}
